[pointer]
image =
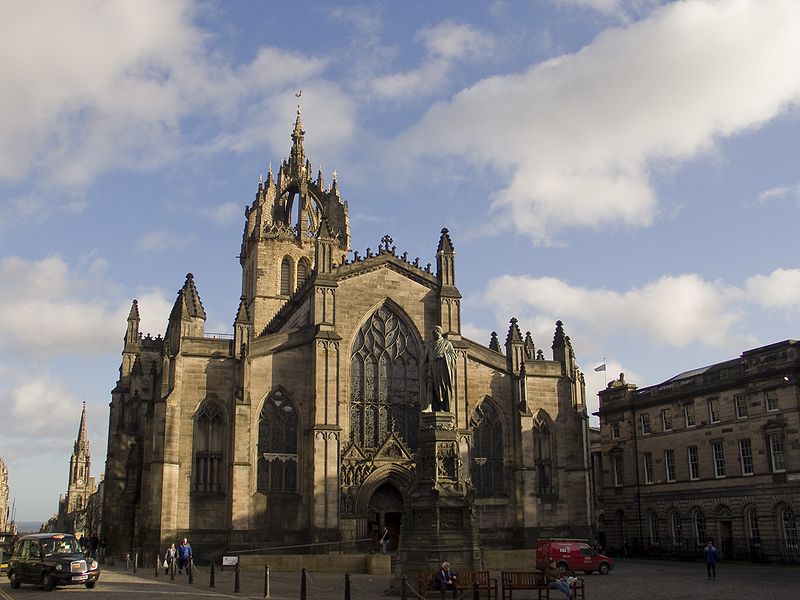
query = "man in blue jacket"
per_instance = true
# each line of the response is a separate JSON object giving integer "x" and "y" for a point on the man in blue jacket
{"x": 184, "y": 556}
{"x": 710, "y": 554}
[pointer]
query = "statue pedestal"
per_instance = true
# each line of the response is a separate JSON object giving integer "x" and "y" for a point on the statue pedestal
{"x": 438, "y": 523}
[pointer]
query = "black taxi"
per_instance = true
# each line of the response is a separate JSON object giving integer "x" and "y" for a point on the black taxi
{"x": 51, "y": 559}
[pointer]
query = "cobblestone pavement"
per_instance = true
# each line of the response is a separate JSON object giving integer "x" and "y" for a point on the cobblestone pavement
{"x": 630, "y": 580}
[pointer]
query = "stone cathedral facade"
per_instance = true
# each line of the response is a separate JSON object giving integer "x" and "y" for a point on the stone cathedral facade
{"x": 302, "y": 426}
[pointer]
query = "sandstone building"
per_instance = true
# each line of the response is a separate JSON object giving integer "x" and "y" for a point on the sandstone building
{"x": 710, "y": 453}
{"x": 301, "y": 427}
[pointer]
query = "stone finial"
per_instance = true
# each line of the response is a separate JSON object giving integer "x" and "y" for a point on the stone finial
{"x": 514, "y": 335}
{"x": 494, "y": 343}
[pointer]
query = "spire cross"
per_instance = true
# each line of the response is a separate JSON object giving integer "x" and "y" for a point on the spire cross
{"x": 386, "y": 240}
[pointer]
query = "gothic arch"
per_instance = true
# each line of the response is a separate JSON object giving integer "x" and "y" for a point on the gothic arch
{"x": 401, "y": 477}
{"x": 287, "y": 268}
{"x": 291, "y": 194}
{"x": 544, "y": 454}
{"x": 487, "y": 454}
{"x": 385, "y": 375}
{"x": 209, "y": 443}
{"x": 277, "y": 447}
{"x": 303, "y": 271}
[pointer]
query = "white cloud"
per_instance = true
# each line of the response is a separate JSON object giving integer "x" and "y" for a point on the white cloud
{"x": 227, "y": 212}
{"x": 48, "y": 308}
{"x": 151, "y": 71}
{"x": 573, "y": 139}
{"x": 160, "y": 240}
{"x": 40, "y": 407}
{"x": 445, "y": 44}
{"x": 786, "y": 192}
{"x": 779, "y": 289}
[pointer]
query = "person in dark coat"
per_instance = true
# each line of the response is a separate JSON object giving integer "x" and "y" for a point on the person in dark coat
{"x": 446, "y": 580}
{"x": 711, "y": 556}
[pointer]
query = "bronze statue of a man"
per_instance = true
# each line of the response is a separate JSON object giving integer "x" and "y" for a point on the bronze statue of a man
{"x": 440, "y": 361}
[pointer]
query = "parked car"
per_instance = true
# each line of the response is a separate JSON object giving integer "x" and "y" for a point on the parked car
{"x": 49, "y": 560}
{"x": 573, "y": 555}
{"x": 6, "y": 546}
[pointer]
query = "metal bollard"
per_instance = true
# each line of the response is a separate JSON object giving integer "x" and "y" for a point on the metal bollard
{"x": 191, "y": 570}
{"x": 303, "y": 584}
{"x": 158, "y": 564}
{"x": 266, "y": 581}
{"x": 211, "y": 576}
{"x": 236, "y": 578}
{"x": 135, "y": 561}
{"x": 404, "y": 588}
{"x": 172, "y": 568}
{"x": 347, "y": 586}
{"x": 127, "y": 561}
{"x": 476, "y": 594}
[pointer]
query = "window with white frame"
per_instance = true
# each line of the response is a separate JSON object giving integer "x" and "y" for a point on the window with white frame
{"x": 615, "y": 431}
{"x": 666, "y": 419}
{"x": 771, "y": 400}
{"x": 713, "y": 410}
{"x": 740, "y": 402}
{"x": 652, "y": 527}
{"x": 753, "y": 532}
{"x": 647, "y": 461}
{"x": 789, "y": 527}
{"x": 777, "y": 453}
{"x": 677, "y": 530}
{"x": 688, "y": 414}
{"x": 616, "y": 464}
{"x": 669, "y": 464}
{"x": 699, "y": 528}
{"x": 694, "y": 463}
{"x": 644, "y": 419}
{"x": 718, "y": 451}
{"x": 746, "y": 456}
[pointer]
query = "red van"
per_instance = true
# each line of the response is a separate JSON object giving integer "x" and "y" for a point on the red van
{"x": 575, "y": 555}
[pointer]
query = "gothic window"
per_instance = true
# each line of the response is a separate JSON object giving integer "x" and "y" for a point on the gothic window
{"x": 209, "y": 426}
{"x": 277, "y": 445}
{"x": 384, "y": 368}
{"x": 286, "y": 276}
{"x": 543, "y": 459}
{"x": 302, "y": 272}
{"x": 487, "y": 450}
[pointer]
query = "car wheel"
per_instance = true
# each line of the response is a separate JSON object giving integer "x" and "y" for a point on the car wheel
{"x": 90, "y": 584}
{"x": 48, "y": 583}
{"x": 588, "y": 572}
{"x": 13, "y": 580}
{"x": 604, "y": 569}
{"x": 563, "y": 566}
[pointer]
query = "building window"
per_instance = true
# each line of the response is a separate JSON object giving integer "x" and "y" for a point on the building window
{"x": 753, "y": 532}
{"x": 666, "y": 419}
{"x": 719, "y": 459}
{"x": 615, "y": 431}
{"x": 669, "y": 464}
{"x": 699, "y": 528}
{"x": 543, "y": 459}
{"x": 302, "y": 272}
{"x": 645, "y": 421}
{"x": 487, "y": 450}
{"x": 746, "y": 456}
{"x": 688, "y": 414}
{"x": 677, "y": 533}
{"x": 789, "y": 527}
{"x": 777, "y": 454}
{"x": 771, "y": 400}
{"x": 384, "y": 395}
{"x": 713, "y": 410}
{"x": 286, "y": 276}
{"x": 277, "y": 445}
{"x": 209, "y": 431}
{"x": 740, "y": 401}
{"x": 652, "y": 528}
{"x": 647, "y": 459}
{"x": 694, "y": 463}
{"x": 616, "y": 463}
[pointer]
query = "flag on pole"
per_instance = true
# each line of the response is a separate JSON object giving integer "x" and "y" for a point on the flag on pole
{"x": 601, "y": 367}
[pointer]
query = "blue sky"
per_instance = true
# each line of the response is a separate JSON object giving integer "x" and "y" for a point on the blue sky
{"x": 629, "y": 167}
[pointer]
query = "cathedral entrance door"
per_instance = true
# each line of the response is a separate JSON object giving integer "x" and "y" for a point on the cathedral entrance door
{"x": 387, "y": 504}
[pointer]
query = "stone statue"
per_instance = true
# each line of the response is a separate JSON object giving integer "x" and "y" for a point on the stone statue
{"x": 440, "y": 361}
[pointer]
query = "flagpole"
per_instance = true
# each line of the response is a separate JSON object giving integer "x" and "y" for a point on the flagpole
{"x": 605, "y": 372}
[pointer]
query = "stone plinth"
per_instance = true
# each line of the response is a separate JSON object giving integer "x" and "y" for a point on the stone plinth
{"x": 438, "y": 522}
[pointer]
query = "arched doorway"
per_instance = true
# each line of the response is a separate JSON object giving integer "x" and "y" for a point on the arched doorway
{"x": 386, "y": 510}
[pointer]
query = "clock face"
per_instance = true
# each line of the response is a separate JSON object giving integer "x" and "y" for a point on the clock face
{"x": 79, "y": 482}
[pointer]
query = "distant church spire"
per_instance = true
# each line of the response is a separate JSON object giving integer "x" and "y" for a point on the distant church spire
{"x": 82, "y": 442}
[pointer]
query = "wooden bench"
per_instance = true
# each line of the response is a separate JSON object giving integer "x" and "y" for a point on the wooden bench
{"x": 465, "y": 581}
{"x": 535, "y": 581}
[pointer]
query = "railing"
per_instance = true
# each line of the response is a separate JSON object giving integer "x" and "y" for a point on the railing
{"x": 762, "y": 550}
{"x": 218, "y": 336}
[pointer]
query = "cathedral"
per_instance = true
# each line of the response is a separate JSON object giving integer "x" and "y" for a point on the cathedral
{"x": 301, "y": 427}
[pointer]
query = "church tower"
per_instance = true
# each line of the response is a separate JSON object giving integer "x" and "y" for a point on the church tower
{"x": 280, "y": 234}
{"x": 80, "y": 464}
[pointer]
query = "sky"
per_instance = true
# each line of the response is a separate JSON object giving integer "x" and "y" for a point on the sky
{"x": 629, "y": 167}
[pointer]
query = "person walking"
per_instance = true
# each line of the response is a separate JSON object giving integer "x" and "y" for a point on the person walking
{"x": 385, "y": 541}
{"x": 169, "y": 557}
{"x": 711, "y": 556}
{"x": 184, "y": 556}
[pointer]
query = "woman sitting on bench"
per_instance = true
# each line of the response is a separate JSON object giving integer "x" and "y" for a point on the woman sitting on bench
{"x": 555, "y": 580}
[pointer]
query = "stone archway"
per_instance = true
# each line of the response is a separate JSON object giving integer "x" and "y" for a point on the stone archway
{"x": 386, "y": 510}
